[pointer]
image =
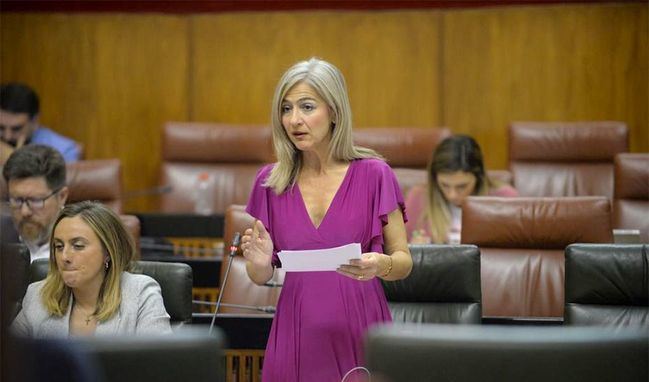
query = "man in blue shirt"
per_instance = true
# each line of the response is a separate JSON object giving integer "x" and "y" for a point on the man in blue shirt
{"x": 19, "y": 108}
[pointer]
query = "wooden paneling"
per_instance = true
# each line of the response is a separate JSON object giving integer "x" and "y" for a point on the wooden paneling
{"x": 107, "y": 81}
{"x": 111, "y": 80}
{"x": 56, "y": 55}
{"x": 390, "y": 61}
{"x": 549, "y": 63}
{"x": 142, "y": 82}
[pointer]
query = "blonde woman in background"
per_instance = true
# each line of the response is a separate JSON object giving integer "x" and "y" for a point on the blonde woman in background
{"x": 88, "y": 290}
{"x": 455, "y": 172}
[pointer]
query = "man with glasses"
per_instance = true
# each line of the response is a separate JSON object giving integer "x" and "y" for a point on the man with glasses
{"x": 19, "y": 108}
{"x": 35, "y": 177}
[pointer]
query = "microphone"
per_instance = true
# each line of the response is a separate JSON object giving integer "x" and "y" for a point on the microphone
{"x": 236, "y": 241}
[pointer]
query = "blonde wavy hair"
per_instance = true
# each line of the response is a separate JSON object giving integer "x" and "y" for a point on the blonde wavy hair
{"x": 329, "y": 83}
{"x": 116, "y": 242}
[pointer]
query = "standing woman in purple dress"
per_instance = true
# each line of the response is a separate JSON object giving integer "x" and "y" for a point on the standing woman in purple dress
{"x": 323, "y": 192}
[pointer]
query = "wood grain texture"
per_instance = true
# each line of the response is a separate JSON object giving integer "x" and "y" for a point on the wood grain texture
{"x": 389, "y": 59}
{"x": 142, "y": 84}
{"x": 107, "y": 81}
{"x": 561, "y": 63}
{"x": 111, "y": 80}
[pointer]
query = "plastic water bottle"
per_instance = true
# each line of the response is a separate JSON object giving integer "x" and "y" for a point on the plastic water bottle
{"x": 204, "y": 194}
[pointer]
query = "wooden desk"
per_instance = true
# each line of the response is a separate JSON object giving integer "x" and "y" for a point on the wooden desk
{"x": 247, "y": 336}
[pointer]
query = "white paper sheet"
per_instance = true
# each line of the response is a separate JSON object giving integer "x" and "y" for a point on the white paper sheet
{"x": 319, "y": 259}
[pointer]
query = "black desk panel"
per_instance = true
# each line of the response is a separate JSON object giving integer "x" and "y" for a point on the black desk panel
{"x": 244, "y": 331}
{"x": 180, "y": 225}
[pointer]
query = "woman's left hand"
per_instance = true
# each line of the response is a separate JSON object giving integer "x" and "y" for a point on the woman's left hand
{"x": 363, "y": 269}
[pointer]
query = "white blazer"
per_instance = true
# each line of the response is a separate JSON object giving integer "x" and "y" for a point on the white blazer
{"x": 141, "y": 311}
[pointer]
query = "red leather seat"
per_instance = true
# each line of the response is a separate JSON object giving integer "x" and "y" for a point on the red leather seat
{"x": 565, "y": 158}
{"x": 406, "y": 149}
{"x": 631, "y": 199}
{"x": 522, "y": 242}
{"x": 101, "y": 180}
{"x": 231, "y": 154}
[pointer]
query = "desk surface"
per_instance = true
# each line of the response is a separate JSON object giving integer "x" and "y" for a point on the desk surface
{"x": 244, "y": 331}
{"x": 157, "y": 224}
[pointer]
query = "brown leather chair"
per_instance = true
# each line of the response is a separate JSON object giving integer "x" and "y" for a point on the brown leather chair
{"x": 99, "y": 180}
{"x": 565, "y": 158}
{"x": 631, "y": 199}
{"x": 231, "y": 154}
{"x": 406, "y": 149}
{"x": 522, "y": 242}
{"x": 240, "y": 289}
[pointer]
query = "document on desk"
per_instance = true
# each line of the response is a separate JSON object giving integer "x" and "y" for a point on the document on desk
{"x": 319, "y": 259}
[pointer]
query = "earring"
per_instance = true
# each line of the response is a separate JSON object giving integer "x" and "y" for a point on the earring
{"x": 106, "y": 263}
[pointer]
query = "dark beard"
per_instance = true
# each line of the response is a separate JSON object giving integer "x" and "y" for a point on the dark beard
{"x": 37, "y": 240}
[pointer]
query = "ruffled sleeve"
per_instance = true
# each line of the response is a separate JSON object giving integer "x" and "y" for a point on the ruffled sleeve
{"x": 387, "y": 198}
{"x": 259, "y": 204}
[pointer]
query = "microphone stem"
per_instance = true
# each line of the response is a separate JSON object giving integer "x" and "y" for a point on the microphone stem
{"x": 233, "y": 252}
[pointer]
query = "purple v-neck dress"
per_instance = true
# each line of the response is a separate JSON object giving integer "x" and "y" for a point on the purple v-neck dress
{"x": 317, "y": 332}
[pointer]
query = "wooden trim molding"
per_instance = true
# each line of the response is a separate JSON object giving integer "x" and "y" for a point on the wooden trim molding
{"x": 216, "y": 6}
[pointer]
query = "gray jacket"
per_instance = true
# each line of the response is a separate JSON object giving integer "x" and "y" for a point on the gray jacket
{"x": 141, "y": 311}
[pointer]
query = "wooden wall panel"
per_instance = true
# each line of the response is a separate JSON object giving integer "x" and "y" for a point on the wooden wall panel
{"x": 143, "y": 74}
{"x": 108, "y": 81}
{"x": 544, "y": 63}
{"x": 56, "y": 55}
{"x": 390, "y": 61}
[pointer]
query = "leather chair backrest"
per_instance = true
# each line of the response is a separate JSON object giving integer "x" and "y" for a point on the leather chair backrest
{"x": 406, "y": 149}
{"x": 631, "y": 198}
{"x": 132, "y": 225}
{"x": 565, "y": 158}
{"x": 231, "y": 154}
{"x": 409, "y": 147}
{"x": 486, "y": 353}
{"x": 240, "y": 289}
{"x": 14, "y": 279}
{"x": 185, "y": 355}
{"x": 175, "y": 281}
{"x": 607, "y": 285}
{"x": 99, "y": 180}
{"x": 521, "y": 243}
{"x": 443, "y": 287}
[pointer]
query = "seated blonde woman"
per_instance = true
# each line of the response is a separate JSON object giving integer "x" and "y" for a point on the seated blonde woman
{"x": 455, "y": 172}
{"x": 88, "y": 290}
